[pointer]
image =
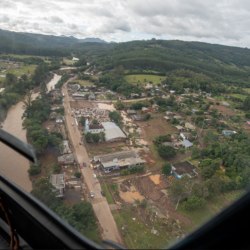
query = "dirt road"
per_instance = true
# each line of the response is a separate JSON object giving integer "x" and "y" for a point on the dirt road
{"x": 99, "y": 203}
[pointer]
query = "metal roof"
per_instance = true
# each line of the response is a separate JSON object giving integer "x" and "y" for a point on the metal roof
{"x": 112, "y": 131}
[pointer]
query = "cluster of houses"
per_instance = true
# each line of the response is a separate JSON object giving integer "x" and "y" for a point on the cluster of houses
{"x": 90, "y": 93}
{"x": 184, "y": 128}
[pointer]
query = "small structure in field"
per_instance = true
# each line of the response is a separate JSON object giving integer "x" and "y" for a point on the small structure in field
{"x": 228, "y": 132}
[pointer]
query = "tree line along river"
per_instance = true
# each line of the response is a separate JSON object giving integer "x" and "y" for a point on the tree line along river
{"x": 13, "y": 165}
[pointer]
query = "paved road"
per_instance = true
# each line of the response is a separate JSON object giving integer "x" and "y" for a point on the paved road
{"x": 99, "y": 203}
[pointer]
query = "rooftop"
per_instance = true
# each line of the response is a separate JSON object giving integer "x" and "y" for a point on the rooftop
{"x": 118, "y": 155}
{"x": 184, "y": 168}
{"x": 112, "y": 131}
{"x": 57, "y": 181}
{"x": 186, "y": 143}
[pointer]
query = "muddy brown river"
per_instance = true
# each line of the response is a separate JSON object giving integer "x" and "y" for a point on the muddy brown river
{"x": 13, "y": 165}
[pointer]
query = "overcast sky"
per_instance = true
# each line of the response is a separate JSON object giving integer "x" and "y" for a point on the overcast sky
{"x": 215, "y": 21}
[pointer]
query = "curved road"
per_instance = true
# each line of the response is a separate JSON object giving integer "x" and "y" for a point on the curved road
{"x": 99, "y": 203}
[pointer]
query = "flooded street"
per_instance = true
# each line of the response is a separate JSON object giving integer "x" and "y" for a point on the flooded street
{"x": 13, "y": 165}
{"x": 51, "y": 84}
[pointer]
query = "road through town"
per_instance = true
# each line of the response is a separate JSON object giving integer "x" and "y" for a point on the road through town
{"x": 99, "y": 203}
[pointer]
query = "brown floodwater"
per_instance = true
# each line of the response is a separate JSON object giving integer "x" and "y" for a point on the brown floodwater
{"x": 13, "y": 165}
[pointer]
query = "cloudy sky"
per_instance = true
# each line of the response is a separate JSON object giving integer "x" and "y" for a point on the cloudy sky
{"x": 215, "y": 21}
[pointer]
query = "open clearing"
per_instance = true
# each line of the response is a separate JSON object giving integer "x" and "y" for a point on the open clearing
{"x": 26, "y": 69}
{"x": 224, "y": 110}
{"x": 143, "y": 79}
{"x": 156, "y": 179}
{"x": 239, "y": 96}
{"x": 155, "y": 127}
{"x": 131, "y": 197}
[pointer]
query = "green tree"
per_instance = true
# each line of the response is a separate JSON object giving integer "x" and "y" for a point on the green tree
{"x": 95, "y": 138}
{"x": 88, "y": 137}
{"x": 246, "y": 103}
{"x": 180, "y": 189}
{"x": 78, "y": 174}
{"x": 166, "y": 152}
{"x": 34, "y": 169}
{"x": 193, "y": 202}
{"x": 115, "y": 116}
{"x": 119, "y": 105}
{"x": 166, "y": 169}
{"x": 82, "y": 121}
{"x": 45, "y": 192}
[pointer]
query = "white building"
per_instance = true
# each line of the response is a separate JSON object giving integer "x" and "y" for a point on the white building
{"x": 113, "y": 132}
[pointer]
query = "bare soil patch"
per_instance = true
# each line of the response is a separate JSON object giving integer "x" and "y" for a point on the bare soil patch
{"x": 156, "y": 179}
{"x": 223, "y": 109}
{"x": 131, "y": 197}
{"x": 78, "y": 104}
{"x": 104, "y": 148}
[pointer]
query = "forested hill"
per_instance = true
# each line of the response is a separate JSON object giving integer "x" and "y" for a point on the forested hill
{"x": 230, "y": 64}
{"x": 37, "y": 44}
{"x": 164, "y": 56}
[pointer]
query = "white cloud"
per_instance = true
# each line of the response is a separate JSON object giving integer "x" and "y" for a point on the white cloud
{"x": 224, "y": 21}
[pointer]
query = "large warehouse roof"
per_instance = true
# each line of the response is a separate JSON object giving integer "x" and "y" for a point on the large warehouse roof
{"x": 112, "y": 131}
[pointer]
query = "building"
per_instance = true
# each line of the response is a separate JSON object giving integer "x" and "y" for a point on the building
{"x": 145, "y": 109}
{"x": 180, "y": 128}
{"x": 65, "y": 147}
{"x": 66, "y": 159}
{"x": 131, "y": 112}
{"x": 186, "y": 143}
{"x": 118, "y": 160}
{"x": 138, "y": 117}
{"x": 189, "y": 126}
{"x": 228, "y": 132}
{"x": 58, "y": 182}
{"x": 167, "y": 118}
{"x": 181, "y": 169}
{"x": 59, "y": 119}
{"x": 91, "y": 96}
{"x": 186, "y": 135}
{"x": 113, "y": 132}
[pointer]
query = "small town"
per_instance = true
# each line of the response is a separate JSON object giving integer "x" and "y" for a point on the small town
{"x": 142, "y": 155}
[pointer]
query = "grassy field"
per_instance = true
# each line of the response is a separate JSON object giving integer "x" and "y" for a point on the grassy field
{"x": 138, "y": 235}
{"x": 84, "y": 83}
{"x": 239, "y": 96}
{"x": 26, "y": 69}
{"x": 214, "y": 206}
{"x": 143, "y": 79}
{"x": 107, "y": 193}
{"x": 247, "y": 90}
